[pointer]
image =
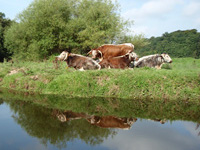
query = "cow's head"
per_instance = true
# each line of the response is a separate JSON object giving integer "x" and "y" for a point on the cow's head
{"x": 166, "y": 58}
{"x": 132, "y": 56}
{"x": 95, "y": 54}
{"x": 63, "y": 56}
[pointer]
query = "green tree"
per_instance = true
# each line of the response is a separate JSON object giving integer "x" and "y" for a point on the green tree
{"x": 139, "y": 41}
{"x": 4, "y": 23}
{"x": 49, "y": 26}
{"x": 177, "y": 44}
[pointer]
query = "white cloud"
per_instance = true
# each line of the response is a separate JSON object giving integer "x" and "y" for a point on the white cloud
{"x": 149, "y": 135}
{"x": 155, "y": 17}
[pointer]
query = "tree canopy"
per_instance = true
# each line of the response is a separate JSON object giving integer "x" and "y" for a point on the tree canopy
{"x": 177, "y": 44}
{"x": 49, "y": 26}
{"x": 4, "y": 23}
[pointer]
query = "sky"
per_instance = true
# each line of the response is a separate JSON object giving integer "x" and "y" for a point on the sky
{"x": 151, "y": 17}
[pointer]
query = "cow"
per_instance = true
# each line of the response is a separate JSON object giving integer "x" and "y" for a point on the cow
{"x": 111, "y": 122}
{"x": 78, "y": 61}
{"x": 153, "y": 61}
{"x": 110, "y": 50}
{"x": 69, "y": 115}
{"x": 120, "y": 62}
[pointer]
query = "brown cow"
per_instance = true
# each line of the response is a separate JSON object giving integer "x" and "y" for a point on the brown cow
{"x": 120, "y": 62}
{"x": 109, "y": 50}
{"x": 112, "y": 122}
{"x": 78, "y": 61}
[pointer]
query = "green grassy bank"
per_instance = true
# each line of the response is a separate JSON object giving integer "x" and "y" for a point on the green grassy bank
{"x": 180, "y": 80}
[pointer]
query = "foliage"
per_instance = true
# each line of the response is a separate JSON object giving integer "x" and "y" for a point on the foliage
{"x": 139, "y": 41}
{"x": 4, "y": 24}
{"x": 49, "y": 26}
{"x": 177, "y": 44}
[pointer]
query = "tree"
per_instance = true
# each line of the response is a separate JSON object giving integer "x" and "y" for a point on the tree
{"x": 4, "y": 23}
{"x": 49, "y": 26}
{"x": 177, "y": 44}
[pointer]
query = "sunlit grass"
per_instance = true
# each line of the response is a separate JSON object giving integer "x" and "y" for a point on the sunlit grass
{"x": 179, "y": 80}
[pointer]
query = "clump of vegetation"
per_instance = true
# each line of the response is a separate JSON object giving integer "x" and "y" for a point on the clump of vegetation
{"x": 76, "y": 25}
{"x": 4, "y": 24}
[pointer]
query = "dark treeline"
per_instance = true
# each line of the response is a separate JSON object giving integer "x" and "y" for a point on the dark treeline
{"x": 177, "y": 44}
{"x": 4, "y": 24}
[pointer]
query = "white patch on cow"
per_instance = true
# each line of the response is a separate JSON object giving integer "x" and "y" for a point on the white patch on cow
{"x": 96, "y": 64}
{"x": 81, "y": 69}
{"x": 143, "y": 58}
{"x": 128, "y": 128}
{"x": 128, "y": 44}
{"x": 166, "y": 58}
{"x": 63, "y": 56}
{"x": 133, "y": 55}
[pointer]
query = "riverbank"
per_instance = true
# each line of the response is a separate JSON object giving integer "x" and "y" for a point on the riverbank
{"x": 179, "y": 81}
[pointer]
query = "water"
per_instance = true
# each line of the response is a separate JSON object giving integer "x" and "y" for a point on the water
{"x": 26, "y": 126}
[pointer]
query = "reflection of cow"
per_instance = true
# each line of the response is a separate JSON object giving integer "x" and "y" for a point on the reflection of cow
{"x": 69, "y": 115}
{"x": 78, "y": 61}
{"x": 162, "y": 121}
{"x": 156, "y": 61}
{"x": 104, "y": 121}
{"x": 109, "y": 50}
{"x": 112, "y": 122}
{"x": 120, "y": 62}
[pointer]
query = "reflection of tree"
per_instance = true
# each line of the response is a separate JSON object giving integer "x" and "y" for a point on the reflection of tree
{"x": 198, "y": 124}
{"x": 39, "y": 122}
{"x": 1, "y": 101}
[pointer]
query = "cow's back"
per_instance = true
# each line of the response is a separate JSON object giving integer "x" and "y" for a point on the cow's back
{"x": 115, "y": 50}
{"x": 79, "y": 62}
{"x": 148, "y": 61}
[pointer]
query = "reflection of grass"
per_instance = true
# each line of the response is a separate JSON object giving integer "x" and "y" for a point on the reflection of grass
{"x": 146, "y": 108}
{"x": 179, "y": 80}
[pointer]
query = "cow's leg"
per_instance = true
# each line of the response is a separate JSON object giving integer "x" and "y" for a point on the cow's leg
{"x": 158, "y": 67}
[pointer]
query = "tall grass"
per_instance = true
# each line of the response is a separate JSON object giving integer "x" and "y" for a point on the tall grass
{"x": 179, "y": 80}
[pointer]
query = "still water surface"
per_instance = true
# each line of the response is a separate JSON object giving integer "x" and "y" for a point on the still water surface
{"x": 25, "y": 126}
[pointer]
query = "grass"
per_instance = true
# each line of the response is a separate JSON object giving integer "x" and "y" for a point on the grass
{"x": 177, "y": 81}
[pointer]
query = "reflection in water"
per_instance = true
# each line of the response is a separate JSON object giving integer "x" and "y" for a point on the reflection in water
{"x": 100, "y": 121}
{"x": 39, "y": 122}
{"x": 62, "y": 128}
{"x": 198, "y": 124}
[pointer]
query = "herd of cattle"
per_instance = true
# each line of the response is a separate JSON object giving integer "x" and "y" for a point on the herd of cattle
{"x": 120, "y": 56}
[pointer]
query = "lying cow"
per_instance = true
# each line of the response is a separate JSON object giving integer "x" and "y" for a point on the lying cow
{"x": 112, "y": 122}
{"x": 78, "y": 61}
{"x": 69, "y": 115}
{"x": 109, "y": 50}
{"x": 120, "y": 62}
{"x": 153, "y": 61}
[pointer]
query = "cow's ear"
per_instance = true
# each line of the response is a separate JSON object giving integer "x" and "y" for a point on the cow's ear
{"x": 100, "y": 53}
{"x": 163, "y": 55}
{"x": 66, "y": 56}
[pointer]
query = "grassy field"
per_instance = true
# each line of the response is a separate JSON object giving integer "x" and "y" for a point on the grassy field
{"x": 178, "y": 81}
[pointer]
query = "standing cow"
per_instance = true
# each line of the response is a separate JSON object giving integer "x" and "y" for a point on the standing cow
{"x": 109, "y": 50}
{"x": 153, "y": 61}
{"x": 78, "y": 61}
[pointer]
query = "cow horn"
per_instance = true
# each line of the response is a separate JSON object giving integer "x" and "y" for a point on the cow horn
{"x": 89, "y": 52}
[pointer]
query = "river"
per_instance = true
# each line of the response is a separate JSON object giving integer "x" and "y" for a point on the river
{"x": 29, "y": 126}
